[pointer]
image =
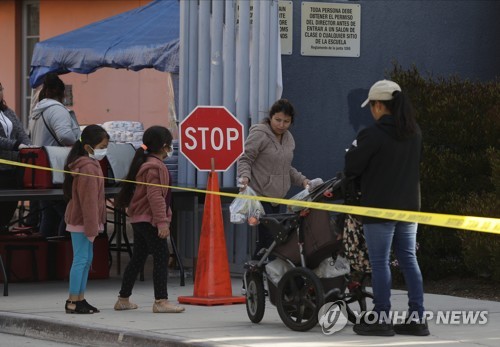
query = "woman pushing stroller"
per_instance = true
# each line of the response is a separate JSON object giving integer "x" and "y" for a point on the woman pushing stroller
{"x": 266, "y": 165}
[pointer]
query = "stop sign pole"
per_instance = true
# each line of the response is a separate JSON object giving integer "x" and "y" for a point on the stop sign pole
{"x": 211, "y": 138}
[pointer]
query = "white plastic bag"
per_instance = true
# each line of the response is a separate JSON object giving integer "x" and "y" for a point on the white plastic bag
{"x": 302, "y": 195}
{"x": 330, "y": 268}
{"x": 245, "y": 210}
{"x": 276, "y": 269}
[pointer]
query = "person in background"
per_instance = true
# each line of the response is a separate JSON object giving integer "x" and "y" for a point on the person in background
{"x": 52, "y": 124}
{"x": 86, "y": 211}
{"x": 386, "y": 159}
{"x": 150, "y": 217}
{"x": 12, "y": 139}
{"x": 266, "y": 164}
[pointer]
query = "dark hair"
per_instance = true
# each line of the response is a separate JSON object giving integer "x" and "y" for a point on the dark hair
{"x": 92, "y": 135}
{"x": 404, "y": 114}
{"x": 154, "y": 139}
{"x": 53, "y": 88}
{"x": 282, "y": 105}
{"x": 3, "y": 104}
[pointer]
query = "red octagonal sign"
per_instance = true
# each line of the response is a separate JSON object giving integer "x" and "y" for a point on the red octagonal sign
{"x": 211, "y": 132}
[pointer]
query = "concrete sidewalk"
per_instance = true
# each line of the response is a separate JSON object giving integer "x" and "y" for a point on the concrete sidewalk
{"x": 37, "y": 310}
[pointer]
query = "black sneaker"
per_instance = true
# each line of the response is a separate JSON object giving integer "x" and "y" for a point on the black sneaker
{"x": 373, "y": 329}
{"x": 412, "y": 328}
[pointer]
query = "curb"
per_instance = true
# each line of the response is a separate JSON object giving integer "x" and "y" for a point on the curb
{"x": 83, "y": 334}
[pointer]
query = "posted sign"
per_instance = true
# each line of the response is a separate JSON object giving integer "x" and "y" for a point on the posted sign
{"x": 331, "y": 30}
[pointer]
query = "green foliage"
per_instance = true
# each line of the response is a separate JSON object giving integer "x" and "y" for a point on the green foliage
{"x": 460, "y": 171}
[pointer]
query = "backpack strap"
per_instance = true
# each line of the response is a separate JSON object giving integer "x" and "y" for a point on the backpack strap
{"x": 49, "y": 129}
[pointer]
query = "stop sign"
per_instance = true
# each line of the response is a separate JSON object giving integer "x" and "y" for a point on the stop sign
{"x": 211, "y": 132}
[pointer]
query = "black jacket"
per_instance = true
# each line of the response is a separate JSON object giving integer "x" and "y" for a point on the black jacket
{"x": 388, "y": 168}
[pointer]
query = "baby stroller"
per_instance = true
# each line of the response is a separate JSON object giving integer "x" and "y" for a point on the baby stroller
{"x": 302, "y": 240}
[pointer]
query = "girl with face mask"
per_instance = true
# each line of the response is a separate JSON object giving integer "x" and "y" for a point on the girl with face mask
{"x": 86, "y": 210}
{"x": 150, "y": 217}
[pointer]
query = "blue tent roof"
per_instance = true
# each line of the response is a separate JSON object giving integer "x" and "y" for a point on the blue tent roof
{"x": 146, "y": 37}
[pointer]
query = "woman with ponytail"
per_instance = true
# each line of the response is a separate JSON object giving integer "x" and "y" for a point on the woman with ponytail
{"x": 385, "y": 158}
{"x": 86, "y": 211}
{"x": 150, "y": 217}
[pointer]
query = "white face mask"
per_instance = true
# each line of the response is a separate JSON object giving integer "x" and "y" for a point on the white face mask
{"x": 99, "y": 154}
{"x": 170, "y": 154}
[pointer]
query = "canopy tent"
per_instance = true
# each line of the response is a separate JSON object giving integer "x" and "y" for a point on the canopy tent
{"x": 145, "y": 37}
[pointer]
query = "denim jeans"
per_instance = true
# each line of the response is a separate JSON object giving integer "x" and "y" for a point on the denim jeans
{"x": 83, "y": 253}
{"x": 403, "y": 237}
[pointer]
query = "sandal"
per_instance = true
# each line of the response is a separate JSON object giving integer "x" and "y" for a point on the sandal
{"x": 90, "y": 307}
{"x": 80, "y": 308}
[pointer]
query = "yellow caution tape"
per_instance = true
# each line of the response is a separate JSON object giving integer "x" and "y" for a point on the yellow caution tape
{"x": 481, "y": 224}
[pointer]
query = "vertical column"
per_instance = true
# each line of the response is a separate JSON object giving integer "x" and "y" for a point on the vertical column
{"x": 254, "y": 66}
{"x": 242, "y": 62}
{"x": 274, "y": 53}
{"x": 216, "y": 86}
{"x": 228, "y": 65}
{"x": 264, "y": 46}
{"x": 204, "y": 43}
{"x": 183, "y": 81}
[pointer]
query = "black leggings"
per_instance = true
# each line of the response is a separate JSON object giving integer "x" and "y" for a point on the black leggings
{"x": 146, "y": 241}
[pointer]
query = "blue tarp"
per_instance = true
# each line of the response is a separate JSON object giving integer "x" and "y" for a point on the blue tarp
{"x": 146, "y": 37}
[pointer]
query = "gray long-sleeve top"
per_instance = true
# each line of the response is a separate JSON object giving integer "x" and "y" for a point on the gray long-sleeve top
{"x": 62, "y": 122}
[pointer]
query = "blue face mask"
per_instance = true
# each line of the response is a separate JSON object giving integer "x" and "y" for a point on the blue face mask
{"x": 99, "y": 154}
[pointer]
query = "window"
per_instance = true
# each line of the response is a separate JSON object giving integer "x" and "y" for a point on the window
{"x": 30, "y": 36}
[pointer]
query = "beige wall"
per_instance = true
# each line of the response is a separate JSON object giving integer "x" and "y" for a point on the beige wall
{"x": 104, "y": 95}
{"x": 10, "y": 52}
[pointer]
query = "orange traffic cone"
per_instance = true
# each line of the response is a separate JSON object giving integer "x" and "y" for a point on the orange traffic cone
{"x": 212, "y": 284}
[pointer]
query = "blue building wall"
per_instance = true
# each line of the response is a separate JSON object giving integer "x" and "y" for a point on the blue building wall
{"x": 441, "y": 37}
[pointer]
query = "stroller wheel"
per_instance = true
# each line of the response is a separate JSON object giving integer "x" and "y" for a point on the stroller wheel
{"x": 256, "y": 298}
{"x": 355, "y": 299}
{"x": 300, "y": 296}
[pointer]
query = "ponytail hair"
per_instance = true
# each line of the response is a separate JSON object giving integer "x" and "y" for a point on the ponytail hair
{"x": 92, "y": 135}
{"x": 404, "y": 114}
{"x": 154, "y": 139}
